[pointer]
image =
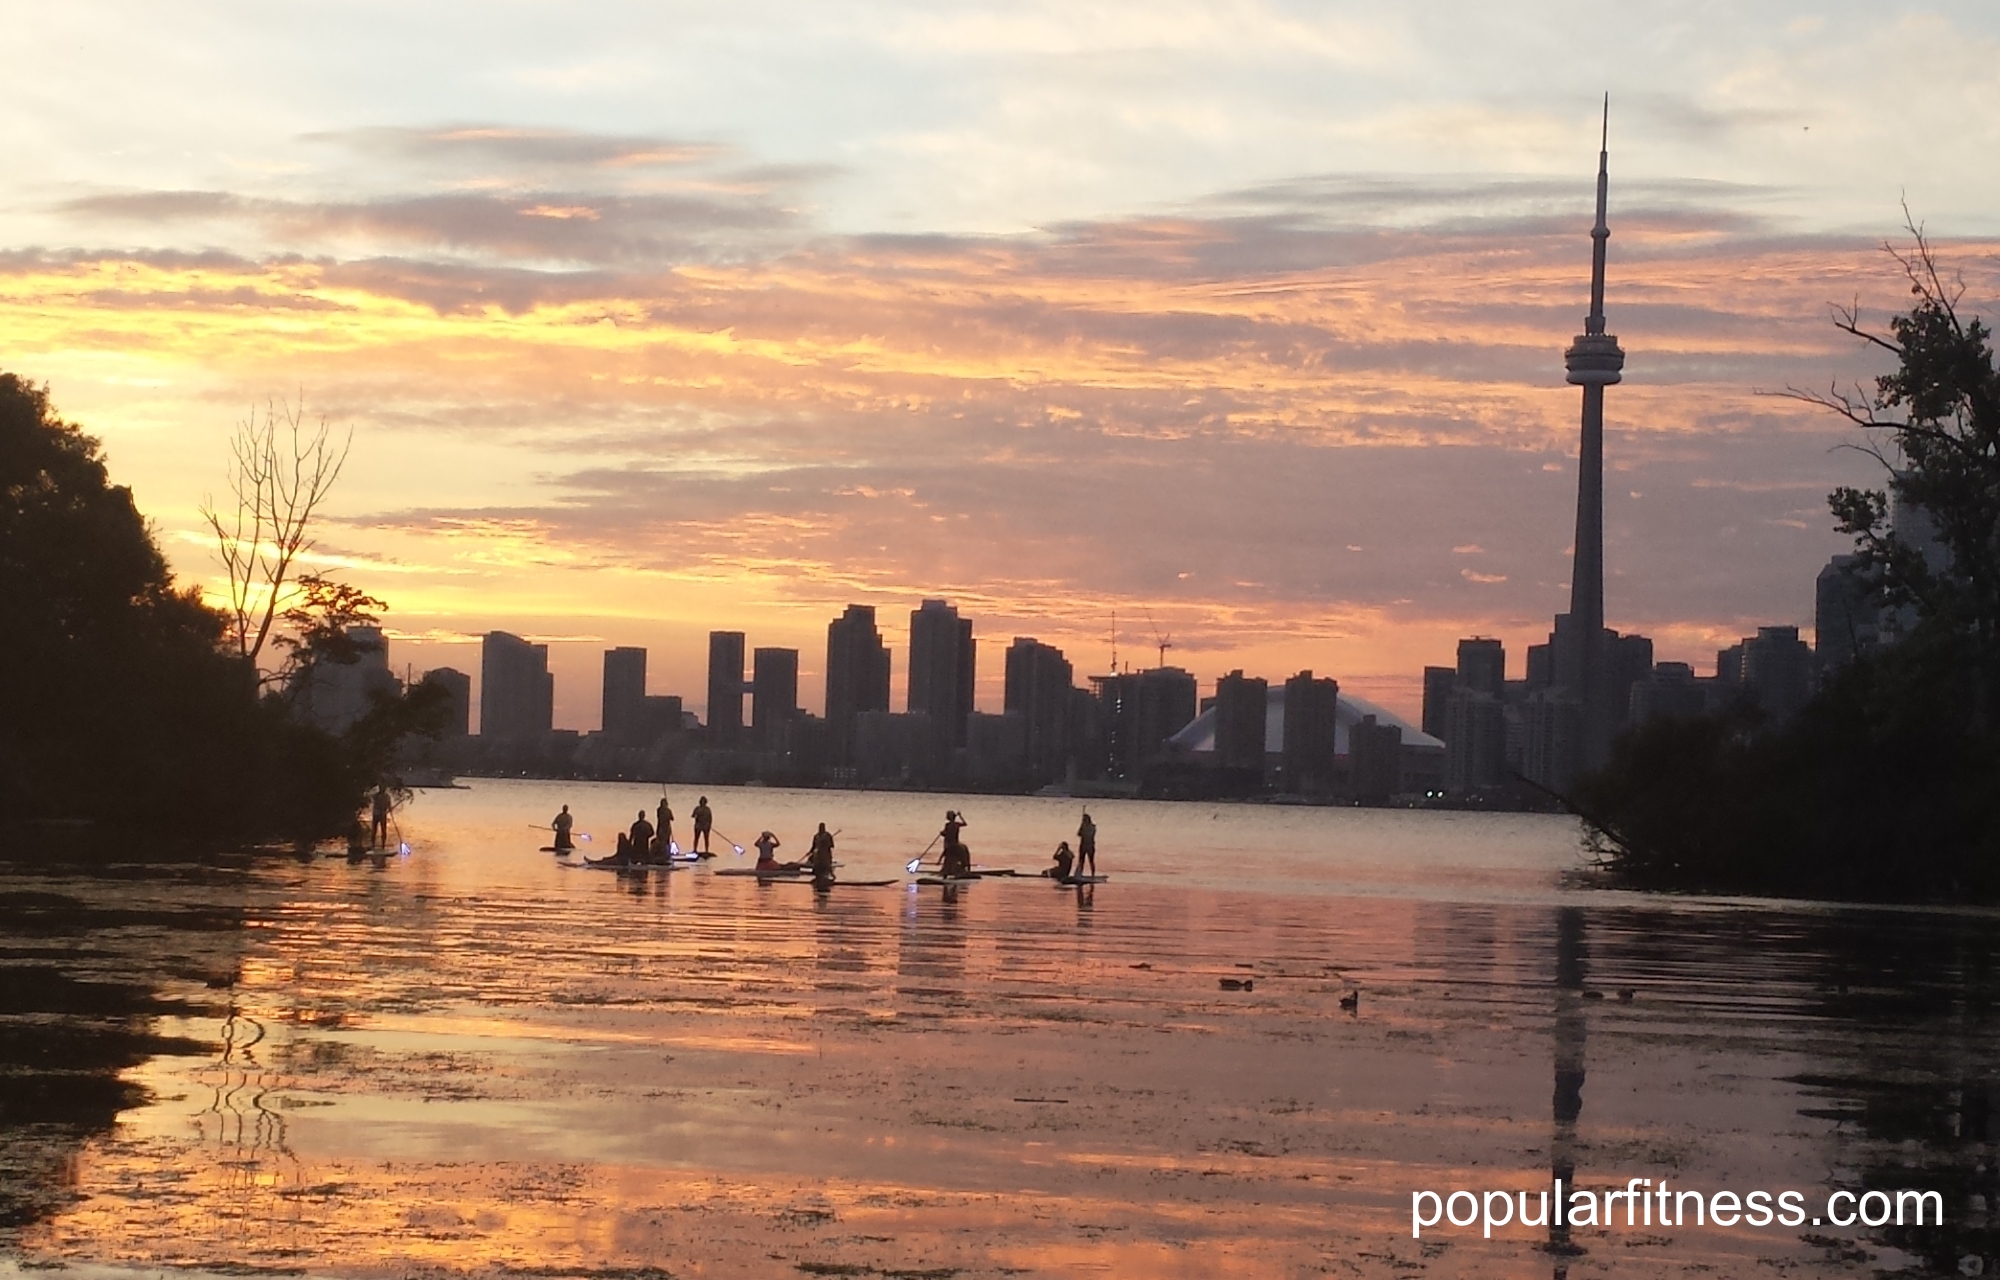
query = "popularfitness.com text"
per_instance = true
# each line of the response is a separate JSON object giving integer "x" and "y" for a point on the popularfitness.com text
{"x": 1642, "y": 1204}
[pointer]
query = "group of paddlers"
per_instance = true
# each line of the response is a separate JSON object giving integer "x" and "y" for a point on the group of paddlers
{"x": 646, "y": 841}
{"x": 653, "y": 842}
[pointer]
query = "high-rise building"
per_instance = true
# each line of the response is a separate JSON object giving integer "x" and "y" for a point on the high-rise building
{"x": 1670, "y": 693}
{"x": 624, "y": 693}
{"x": 857, "y": 676}
{"x": 335, "y": 695}
{"x": 1242, "y": 710}
{"x": 1374, "y": 760}
{"x": 725, "y": 687}
{"x": 1438, "y": 684}
{"x": 1141, "y": 710}
{"x": 942, "y": 657}
{"x": 1594, "y": 361}
{"x": 1312, "y": 721}
{"x": 1039, "y": 680}
{"x": 516, "y": 691}
{"x": 1552, "y": 756}
{"x": 1777, "y": 671}
{"x": 1847, "y": 615}
{"x": 1482, "y": 665}
{"x": 774, "y": 697}
{"x": 1475, "y": 740}
{"x": 458, "y": 688}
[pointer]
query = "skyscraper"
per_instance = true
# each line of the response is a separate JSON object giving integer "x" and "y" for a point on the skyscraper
{"x": 516, "y": 691}
{"x": 774, "y": 697}
{"x": 941, "y": 672}
{"x": 857, "y": 676}
{"x": 1039, "y": 680}
{"x": 458, "y": 687}
{"x": 1242, "y": 709}
{"x": 1482, "y": 665}
{"x": 1594, "y": 361}
{"x": 624, "y": 693}
{"x": 1312, "y": 716}
{"x": 725, "y": 687}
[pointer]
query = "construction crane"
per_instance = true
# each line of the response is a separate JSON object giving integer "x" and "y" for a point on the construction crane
{"x": 1165, "y": 642}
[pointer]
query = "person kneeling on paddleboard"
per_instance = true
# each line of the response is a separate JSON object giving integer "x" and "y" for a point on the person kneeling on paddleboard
{"x": 561, "y": 824}
{"x": 767, "y": 848}
{"x": 1063, "y": 860}
{"x": 820, "y": 859}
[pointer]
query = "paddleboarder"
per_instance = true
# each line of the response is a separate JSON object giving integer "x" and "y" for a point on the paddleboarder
{"x": 378, "y": 833}
{"x": 1063, "y": 860}
{"x": 561, "y": 824}
{"x": 767, "y": 852}
{"x": 704, "y": 822}
{"x": 1086, "y": 845}
{"x": 642, "y": 838}
{"x": 820, "y": 859}
{"x": 664, "y": 815}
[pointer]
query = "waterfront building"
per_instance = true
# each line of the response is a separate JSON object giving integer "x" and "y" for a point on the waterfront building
{"x": 1482, "y": 665}
{"x": 942, "y": 668}
{"x": 1039, "y": 681}
{"x": 725, "y": 687}
{"x": 1475, "y": 741}
{"x": 624, "y": 694}
{"x": 458, "y": 688}
{"x": 1847, "y": 615}
{"x": 516, "y": 691}
{"x": 857, "y": 677}
{"x": 1242, "y": 705}
{"x": 1438, "y": 684}
{"x": 1141, "y": 710}
{"x": 1311, "y": 717}
{"x": 1375, "y": 760}
{"x": 774, "y": 697}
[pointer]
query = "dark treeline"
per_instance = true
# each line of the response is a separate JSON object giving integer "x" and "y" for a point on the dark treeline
{"x": 120, "y": 702}
{"x": 1887, "y": 786}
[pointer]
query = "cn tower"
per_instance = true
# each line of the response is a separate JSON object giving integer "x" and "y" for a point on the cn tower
{"x": 1594, "y": 361}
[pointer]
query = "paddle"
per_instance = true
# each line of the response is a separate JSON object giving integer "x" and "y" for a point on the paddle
{"x": 731, "y": 843}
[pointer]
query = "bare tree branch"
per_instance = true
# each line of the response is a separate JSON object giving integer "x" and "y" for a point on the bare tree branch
{"x": 282, "y": 470}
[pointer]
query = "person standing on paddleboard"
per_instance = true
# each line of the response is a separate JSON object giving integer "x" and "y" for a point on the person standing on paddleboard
{"x": 378, "y": 833}
{"x": 642, "y": 838}
{"x": 704, "y": 822}
{"x": 1086, "y": 845}
{"x": 561, "y": 825}
{"x": 664, "y": 815}
{"x": 820, "y": 859}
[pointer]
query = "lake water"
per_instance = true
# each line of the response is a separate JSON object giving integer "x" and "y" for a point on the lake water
{"x": 475, "y": 1059}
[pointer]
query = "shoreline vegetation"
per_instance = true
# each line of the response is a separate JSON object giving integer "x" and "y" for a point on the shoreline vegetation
{"x": 128, "y": 714}
{"x": 1886, "y": 787}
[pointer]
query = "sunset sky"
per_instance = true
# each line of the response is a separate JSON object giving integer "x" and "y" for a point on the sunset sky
{"x": 1245, "y": 318}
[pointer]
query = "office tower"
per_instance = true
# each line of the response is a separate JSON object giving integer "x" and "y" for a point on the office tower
{"x": 624, "y": 693}
{"x": 1438, "y": 684}
{"x": 1141, "y": 710}
{"x": 774, "y": 697}
{"x": 857, "y": 676}
{"x": 1475, "y": 739}
{"x": 516, "y": 691}
{"x": 1552, "y": 756}
{"x": 1482, "y": 665}
{"x": 1594, "y": 361}
{"x": 1039, "y": 680}
{"x": 1847, "y": 615}
{"x": 725, "y": 687}
{"x": 458, "y": 688}
{"x": 1242, "y": 710}
{"x": 1670, "y": 693}
{"x": 941, "y": 674}
{"x": 334, "y": 695}
{"x": 1777, "y": 671}
{"x": 1312, "y": 719}
{"x": 1374, "y": 760}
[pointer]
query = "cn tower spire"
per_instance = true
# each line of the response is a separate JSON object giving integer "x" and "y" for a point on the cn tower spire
{"x": 1594, "y": 361}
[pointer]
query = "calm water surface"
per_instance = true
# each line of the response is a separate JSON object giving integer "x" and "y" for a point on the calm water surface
{"x": 476, "y": 1059}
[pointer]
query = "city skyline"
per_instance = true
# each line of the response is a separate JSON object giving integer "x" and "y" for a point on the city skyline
{"x": 626, "y": 364}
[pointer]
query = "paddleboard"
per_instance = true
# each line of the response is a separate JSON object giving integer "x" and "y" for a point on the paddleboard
{"x": 1083, "y": 880}
{"x": 844, "y": 884}
{"x": 549, "y": 848}
{"x": 951, "y": 880}
{"x": 780, "y": 873}
{"x": 612, "y": 864}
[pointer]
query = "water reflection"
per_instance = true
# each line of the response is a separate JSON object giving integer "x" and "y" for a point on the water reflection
{"x": 472, "y": 1063}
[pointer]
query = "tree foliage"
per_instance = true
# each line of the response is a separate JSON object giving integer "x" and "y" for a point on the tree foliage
{"x": 126, "y": 700}
{"x": 1888, "y": 785}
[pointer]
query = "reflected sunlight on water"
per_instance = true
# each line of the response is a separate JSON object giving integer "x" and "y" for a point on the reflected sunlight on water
{"x": 476, "y": 1058}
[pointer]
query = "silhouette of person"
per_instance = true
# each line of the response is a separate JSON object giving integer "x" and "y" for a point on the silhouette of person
{"x": 1086, "y": 845}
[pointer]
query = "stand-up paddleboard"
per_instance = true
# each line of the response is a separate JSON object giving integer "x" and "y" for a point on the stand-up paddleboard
{"x": 835, "y": 884}
{"x": 948, "y": 880}
{"x": 775, "y": 873}
{"x": 549, "y": 848}
{"x": 1067, "y": 880}
{"x": 614, "y": 864}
